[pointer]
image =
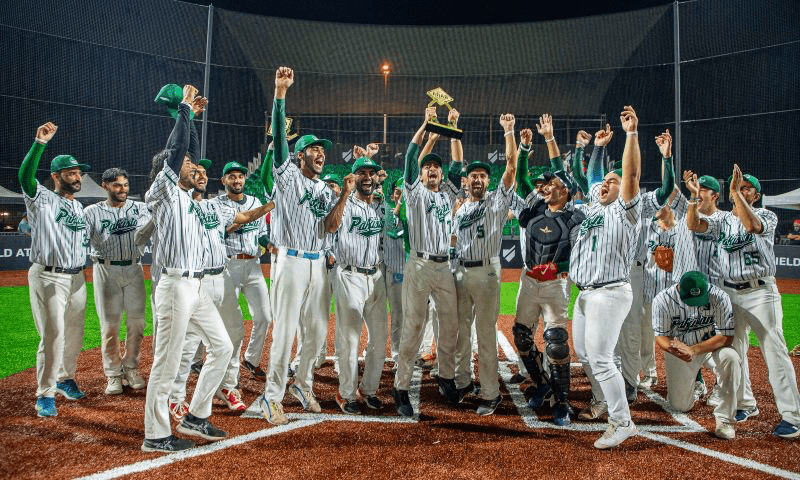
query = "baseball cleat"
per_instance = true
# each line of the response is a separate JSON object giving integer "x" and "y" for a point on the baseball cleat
{"x": 114, "y": 385}
{"x": 615, "y": 434}
{"x": 166, "y": 444}
{"x": 742, "y": 415}
{"x": 349, "y": 407}
{"x": 595, "y": 410}
{"x": 133, "y": 379}
{"x": 402, "y": 402}
{"x": 200, "y": 427}
{"x": 254, "y": 370}
{"x": 725, "y": 430}
{"x": 196, "y": 367}
{"x": 46, "y": 407}
{"x": 232, "y": 398}
{"x": 178, "y": 410}
{"x": 649, "y": 381}
{"x": 69, "y": 389}
{"x": 373, "y": 402}
{"x": 517, "y": 379}
{"x": 538, "y": 394}
{"x": 426, "y": 360}
{"x": 447, "y": 388}
{"x": 306, "y": 399}
{"x": 272, "y": 411}
{"x": 786, "y": 430}
{"x": 561, "y": 414}
{"x": 464, "y": 391}
{"x": 487, "y": 407}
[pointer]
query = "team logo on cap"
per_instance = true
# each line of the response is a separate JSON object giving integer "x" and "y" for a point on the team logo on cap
{"x": 694, "y": 292}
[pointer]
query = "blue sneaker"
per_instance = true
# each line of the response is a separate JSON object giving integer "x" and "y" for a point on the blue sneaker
{"x": 69, "y": 389}
{"x": 538, "y": 395}
{"x": 786, "y": 430}
{"x": 742, "y": 415}
{"x": 561, "y": 414}
{"x": 46, "y": 407}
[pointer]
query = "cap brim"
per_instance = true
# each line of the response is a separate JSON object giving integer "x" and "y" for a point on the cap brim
{"x": 236, "y": 169}
{"x": 82, "y": 166}
{"x": 326, "y": 144}
{"x": 696, "y": 301}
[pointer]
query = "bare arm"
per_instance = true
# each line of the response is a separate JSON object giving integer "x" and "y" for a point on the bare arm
{"x": 741, "y": 207}
{"x": 507, "y": 121}
{"x": 334, "y": 218}
{"x": 545, "y": 129}
{"x": 631, "y": 156}
{"x": 248, "y": 216}
{"x": 693, "y": 220}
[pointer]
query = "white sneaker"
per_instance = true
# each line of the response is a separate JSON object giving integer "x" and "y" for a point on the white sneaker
{"x": 114, "y": 385}
{"x": 595, "y": 410}
{"x": 273, "y": 411}
{"x": 133, "y": 379}
{"x": 699, "y": 390}
{"x": 615, "y": 434}
{"x": 725, "y": 430}
{"x": 307, "y": 399}
{"x": 713, "y": 400}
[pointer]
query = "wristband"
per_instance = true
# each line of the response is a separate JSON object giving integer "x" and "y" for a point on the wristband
{"x": 582, "y": 144}
{"x": 551, "y": 139}
{"x": 510, "y": 132}
{"x": 42, "y": 142}
{"x": 694, "y": 201}
{"x": 522, "y": 146}
{"x": 632, "y": 133}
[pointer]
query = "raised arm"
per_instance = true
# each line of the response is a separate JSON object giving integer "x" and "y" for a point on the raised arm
{"x": 595, "y": 170}
{"x": 631, "y": 156}
{"x": 27, "y": 171}
{"x": 508, "y": 121}
{"x": 524, "y": 186}
{"x": 284, "y": 78}
{"x": 266, "y": 169}
{"x": 334, "y": 218}
{"x": 456, "y": 152}
{"x": 693, "y": 220}
{"x": 180, "y": 137}
{"x": 412, "y": 158}
{"x": 581, "y": 140}
{"x": 742, "y": 208}
{"x": 663, "y": 193}
{"x": 545, "y": 129}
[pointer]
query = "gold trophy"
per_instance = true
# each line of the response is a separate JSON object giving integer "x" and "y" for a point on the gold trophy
{"x": 440, "y": 98}
{"x": 289, "y": 136}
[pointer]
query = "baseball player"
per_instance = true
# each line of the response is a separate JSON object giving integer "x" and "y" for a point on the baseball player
{"x": 693, "y": 321}
{"x": 118, "y": 278}
{"x": 550, "y": 222}
{"x": 179, "y": 297}
{"x": 298, "y": 275}
{"x": 427, "y": 271}
{"x": 479, "y": 227}
{"x": 600, "y": 266}
{"x": 57, "y": 285}
{"x": 394, "y": 258}
{"x": 747, "y": 260}
{"x": 359, "y": 286}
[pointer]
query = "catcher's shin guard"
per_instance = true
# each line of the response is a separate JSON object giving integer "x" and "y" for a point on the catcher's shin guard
{"x": 558, "y": 356}
{"x": 531, "y": 357}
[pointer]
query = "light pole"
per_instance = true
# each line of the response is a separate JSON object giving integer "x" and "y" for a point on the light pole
{"x": 386, "y": 69}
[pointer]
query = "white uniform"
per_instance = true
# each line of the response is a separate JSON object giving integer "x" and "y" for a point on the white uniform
{"x": 600, "y": 266}
{"x": 427, "y": 272}
{"x": 692, "y": 325}
{"x": 394, "y": 259}
{"x": 57, "y": 285}
{"x": 360, "y": 296}
{"x": 244, "y": 275}
{"x": 747, "y": 261}
{"x": 298, "y": 275}
{"x": 179, "y": 297}
{"x": 707, "y": 251}
{"x": 479, "y": 229}
{"x": 118, "y": 280}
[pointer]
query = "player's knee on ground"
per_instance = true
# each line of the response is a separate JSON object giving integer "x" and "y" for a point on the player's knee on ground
{"x": 682, "y": 405}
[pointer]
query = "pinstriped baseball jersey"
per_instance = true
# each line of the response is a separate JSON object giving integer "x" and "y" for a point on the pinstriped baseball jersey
{"x": 215, "y": 217}
{"x": 59, "y": 237}
{"x": 359, "y": 235}
{"x": 111, "y": 229}
{"x": 744, "y": 256}
{"x": 245, "y": 238}
{"x": 179, "y": 233}
{"x": 692, "y": 325}
{"x": 394, "y": 251}
{"x": 650, "y": 207}
{"x": 677, "y": 243}
{"x": 298, "y": 218}
{"x": 430, "y": 222}
{"x": 707, "y": 251}
{"x": 479, "y": 225}
{"x": 606, "y": 243}
{"x": 594, "y": 193}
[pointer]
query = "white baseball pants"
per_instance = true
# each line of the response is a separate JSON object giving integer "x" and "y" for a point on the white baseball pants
{"x": 394, "y": 293}
{"x": 628, "y": 356}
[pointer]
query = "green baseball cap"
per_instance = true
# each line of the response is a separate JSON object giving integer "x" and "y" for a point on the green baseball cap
{"x": 693, "y": 288}
{"x": 308, "y": 140}
{"x": 753, "y": 181}
{"x": 332, "y": 177}
{"x": 205, "y": 163}
{"x": 709, "y": 182}
{"x": 472, "y": 166}
{"x": 431, "y": 157}
{"x": 171, "y": 95}
{"x": 567, "y": 180}
{"x": 365, "y": 162}
{"x": 233, "y": 166}
{"x": 62, "y": 162}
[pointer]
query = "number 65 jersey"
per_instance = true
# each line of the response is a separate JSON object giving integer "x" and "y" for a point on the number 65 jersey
{"x": 744, "y": 256}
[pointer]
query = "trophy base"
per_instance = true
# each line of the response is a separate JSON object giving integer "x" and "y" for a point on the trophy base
{"x": 444, "y": 130}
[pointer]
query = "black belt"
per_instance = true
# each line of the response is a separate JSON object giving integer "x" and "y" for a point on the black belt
{"x": 365, "y": 271}
{"x": 473, "y": 263}
{"x": 744, "y": 286}
{"x": 70, "y": 271}
{"x": 435, "y": 258}
{"x": 186, "y": 273}
{"x": 213, "y": 271}
{"x": 597, "y": 285}
{"x": 121, "y": 263}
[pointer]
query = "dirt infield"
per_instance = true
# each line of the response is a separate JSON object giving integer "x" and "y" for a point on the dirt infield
{"x": 101, "y": 432}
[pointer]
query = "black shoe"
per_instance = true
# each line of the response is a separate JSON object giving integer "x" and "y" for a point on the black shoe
{"x": 373, "y": 402}
{"x": 200, "y": 427}
{"x": 487, "y": 407}
{"x": 464, "y": 391}
{"x": 166, "y": 444}
{"x": 517, "y": 379}
{"x": 630, "y": 393}
{"x": 254, "y": 370}
{"x": 349, "y": 407}
{"x": 402, "y": 403}
{"x": 196, "y": 367}
{"x": 447, "y": 387}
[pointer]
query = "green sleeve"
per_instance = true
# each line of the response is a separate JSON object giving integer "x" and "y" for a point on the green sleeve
{"x": 280, "y": 142}
{"x": 524, "y": 186}
{"x": 27, "y": 171}
{"x": 577, "y": 171}
{"x": 412, "y": 164}
{"x": 667, "y": 182}
{"x": 266, "y": 171}
{"x": 556, "y": 164}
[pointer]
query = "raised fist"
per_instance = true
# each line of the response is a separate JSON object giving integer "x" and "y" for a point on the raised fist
{"x": 452, "y": 116}
{"x": 602, "y": 137}
{"x": 526, "y": 136}
{"x": 46, "y": 132}
{"x": 430, "y": 113}
{"x": 284, "y": 77}
{"x": 507, "y": 121}
{"x": 189, "y": 92}
{"x": 199, "y": 105}
{"x": 664, "y": 142}
{"x": 372, "y": 149}
{"x": 582, "y": 138}
{"x": 359, "y": 152}
{"x": 349, "y": 183}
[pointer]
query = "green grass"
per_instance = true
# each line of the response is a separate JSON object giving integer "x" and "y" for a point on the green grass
{"x": 19, "y": 339}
